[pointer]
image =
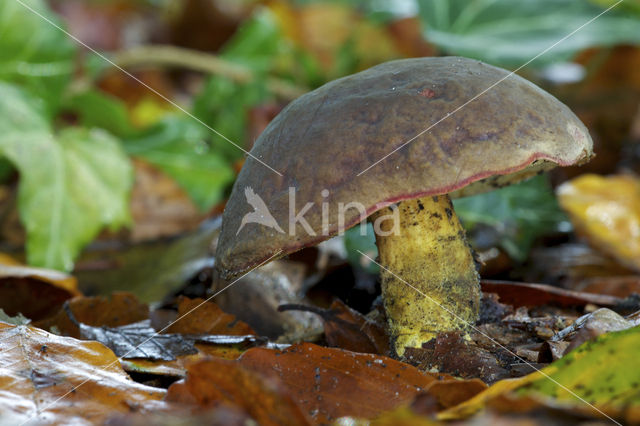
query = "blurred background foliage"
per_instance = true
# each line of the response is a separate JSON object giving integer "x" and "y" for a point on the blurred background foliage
{"x": 84, "y": 145}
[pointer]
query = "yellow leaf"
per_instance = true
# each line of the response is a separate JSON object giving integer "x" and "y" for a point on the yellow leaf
{"x": 606, "y": 210}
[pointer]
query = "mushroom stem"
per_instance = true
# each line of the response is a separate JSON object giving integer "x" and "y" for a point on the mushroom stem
{"x": 431, "y": 254}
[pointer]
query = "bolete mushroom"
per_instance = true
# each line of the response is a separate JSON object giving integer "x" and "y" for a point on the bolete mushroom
{"x": 493, "y": 128}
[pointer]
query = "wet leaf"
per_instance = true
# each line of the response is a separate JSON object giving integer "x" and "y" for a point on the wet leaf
{"x": 606, "y": 210}
{"x": 217, "y": 382}
{"x": 139, "y": 340}
{"x": 330, "y": 383}
{"x": 61, "y": 380}
{"x": 590, "y": 372}
{"x": 34, "y": 292}
{"x": 71, "y": 185}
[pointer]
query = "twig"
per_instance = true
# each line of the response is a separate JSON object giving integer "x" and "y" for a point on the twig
{"x": 172, "y": 56}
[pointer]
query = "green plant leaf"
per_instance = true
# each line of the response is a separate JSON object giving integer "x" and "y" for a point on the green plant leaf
{"x": 519, "y": 213}
{"x": 98, "y": 109}
{"x": 179, "y": 146}
{"x": 71, "y": 184}
{"x": 223, "y": 103}
{"x": 33, "y": 52}
{"x": 511, "y": 33}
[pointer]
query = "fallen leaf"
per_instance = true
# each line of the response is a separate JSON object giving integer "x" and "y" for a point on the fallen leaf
{"x": 34, "y": 292}
{"x": 330, "y": 383}
{"x": 451, "y": 353}
{"x": 217, "y": 382}
{"x": 159, "y": 206}
{"x": 118, "y": 309}
{"x": 150, "y": 270}
{"x": 619, "y": 286}
{"x": 200, "y": 317}
{"x": 347, "y": 329}
{"x": 592, "y": 325}
{"x": 606, "y": 211}
{"x": 61, "y": 380}
{"x": 591, "y": 372}
{"x": 528, "y": 294}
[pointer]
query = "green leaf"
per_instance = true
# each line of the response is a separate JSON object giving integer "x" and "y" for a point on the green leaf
{"x": 33, "y": 52}
{"x": 355, "y": 241}
{"x": 71, "y": 184}
{"x": 223, "y": 104}
{"x": 510, "y": 33}
{"x": 178, "y": 146}
{"x": 604, "y": 372}
{"x": 97, "y": 109}
{"x": 520, "y": 213}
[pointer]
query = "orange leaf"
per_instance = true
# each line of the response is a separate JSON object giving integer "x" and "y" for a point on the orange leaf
{"x": 35, "y": 292}
{"x": 215, "y": 382}
{"x": 208, "y": 318}
{"x": 119, "y": 309}
{"x": 331, "y": 383}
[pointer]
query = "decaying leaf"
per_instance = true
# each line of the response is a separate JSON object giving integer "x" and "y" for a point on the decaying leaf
{"x": 348, "y": 329}
{"x": 216, "y": 382}
{"x": 586, "y": 380}
{"x": 606, "y": 210}
{"x": 34, "y": 292}
{"x": 50, "y": 379}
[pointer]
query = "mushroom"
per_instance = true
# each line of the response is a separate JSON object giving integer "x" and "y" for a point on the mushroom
{"x": 395, "y": 143}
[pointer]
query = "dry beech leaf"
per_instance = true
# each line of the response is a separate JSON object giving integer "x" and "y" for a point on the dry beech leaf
{"x": 330, "y": 383}
{"x": 60, "y": 380}
{"x": 208, "y": 318}
{"x": 113, "y": 311}
{"x": 216, "y": 382}
{"x": 35, "y": 292}
{"x": 606, "y": 210}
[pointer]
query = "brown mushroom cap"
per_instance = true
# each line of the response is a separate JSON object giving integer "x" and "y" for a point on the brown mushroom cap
{"x": 326, "y": 137}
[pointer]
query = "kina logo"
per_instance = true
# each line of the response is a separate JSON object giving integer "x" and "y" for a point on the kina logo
{"x": 260, "y": 214}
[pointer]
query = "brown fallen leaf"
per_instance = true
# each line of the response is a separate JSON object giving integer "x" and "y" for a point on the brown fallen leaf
{"x": 218, "y": 383}
{"x": 348, "y": 329}
{"x": 50, "y": 379}
{"x": 200, "y": 317}
{"x": 36, "y": 293}
{"x": 606, "y": 211}
{"x": 159, "y": 206}
{"x": 330, "y": 383}
{"x": 451, "y": 353}
{"x": 120, "y": 308}
{"x": 519, "y": 294}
